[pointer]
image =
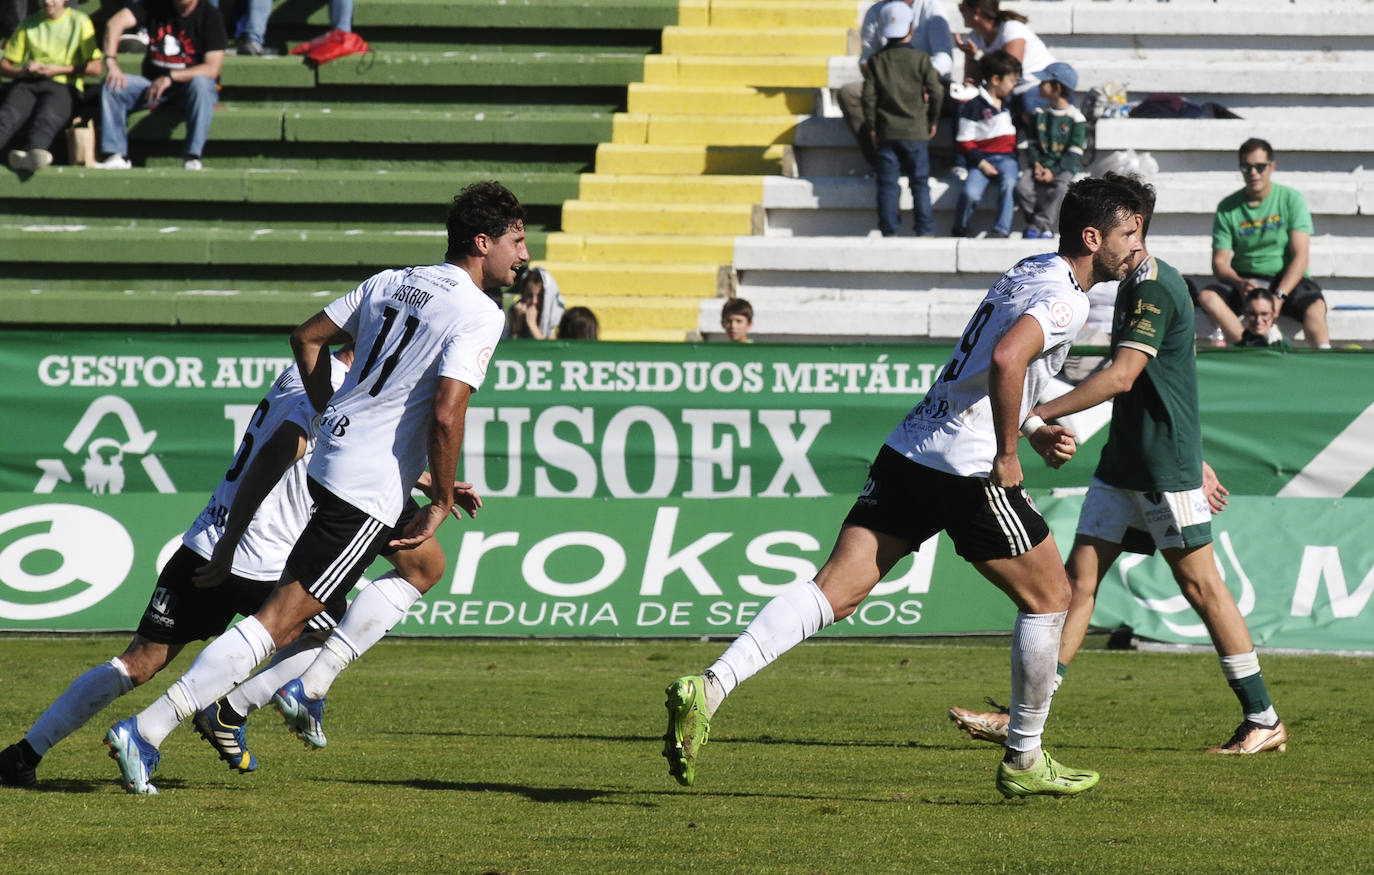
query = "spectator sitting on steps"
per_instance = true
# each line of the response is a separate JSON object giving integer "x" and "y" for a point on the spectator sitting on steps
{"x": 538, "y": 308}
{"x": 1261, "y": 238}
{"x": 186, "y": 49}
{"x": 48, "y": 54}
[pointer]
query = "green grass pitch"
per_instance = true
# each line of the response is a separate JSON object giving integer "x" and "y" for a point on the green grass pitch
{"x": 544, "y": 756}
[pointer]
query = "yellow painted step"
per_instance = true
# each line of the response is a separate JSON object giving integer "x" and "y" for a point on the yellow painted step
{"x": 646, "y": 188}
{"x": 639, "y": 248}
{"x": 778, "y": 42}
{"x": 720, "y": 100}
{"x": 764, "y": 14}
{"x": 772, "y": 160}
{"x": 616, "y": 218}
{"x": 650, "y": 335}
{"x": 643, "y": 279}
{"x": 616, "y": 314}
{"x": 800, "y": 72}
{"x": 705, "y": 130}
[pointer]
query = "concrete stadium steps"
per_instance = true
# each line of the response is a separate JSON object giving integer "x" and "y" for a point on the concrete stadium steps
{"x": 677, "y": 129}
{"x": 838, "y": 261}
{"x": 635, "y": 158}
{"x": 172, "y": 306}
{"x": 693, "y": 280}
{"x": 781, "y": 42}
{"x": 513, "y": 14}
{"x": 205, "y": 244}
{"x": 645, "y": 99}
{"x": 271, "y": 187}
{"x": 1232, "y": 78}
{"x": 759, "y": 71}
{"x": 1306, "y": 139}
{"x": 768, "y": 15}
{"x": 655, "y": 189}
{"x": 452, "y": 68}
{"x": 713, "y": 249}
{"x": 621, "y": 316}
{"x": 743, "y": 73}
{"x": 846, "y": 315}
{"x": 846, "y": 206}
{"x": 386, "y": 123}
{"x": 636, "y": 218}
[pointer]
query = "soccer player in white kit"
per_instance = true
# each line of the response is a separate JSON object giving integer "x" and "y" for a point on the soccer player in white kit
{"x": 951, "y": 465}
{"x": 178, "y": 610}
{"x": 424, "y": 337}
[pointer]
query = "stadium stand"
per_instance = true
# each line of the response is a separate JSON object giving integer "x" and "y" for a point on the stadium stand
{"x": 670, "y": 153}
{"x": 814, "y": 255}
{"x": 318, "y": 177}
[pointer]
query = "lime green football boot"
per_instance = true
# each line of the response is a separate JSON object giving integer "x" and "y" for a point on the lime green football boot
{"x": 1045, "y": 778}
{"x": 688, "y": 726}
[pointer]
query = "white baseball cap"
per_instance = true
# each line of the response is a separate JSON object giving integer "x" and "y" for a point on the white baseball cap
{"x": 897, "y": 18}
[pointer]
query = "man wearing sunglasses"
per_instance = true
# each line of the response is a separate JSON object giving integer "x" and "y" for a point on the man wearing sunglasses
{"x": 1261, "y": 238}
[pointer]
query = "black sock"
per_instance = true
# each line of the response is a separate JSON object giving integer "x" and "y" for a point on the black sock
{"x": 27, "y": 755}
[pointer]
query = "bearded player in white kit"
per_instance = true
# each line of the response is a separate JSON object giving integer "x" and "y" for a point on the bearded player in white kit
{"x": 951, "y": 465}
{"x": 424, "y": 337}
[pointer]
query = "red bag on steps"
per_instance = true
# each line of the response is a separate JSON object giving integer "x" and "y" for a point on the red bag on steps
{"x": 335, "y": 44}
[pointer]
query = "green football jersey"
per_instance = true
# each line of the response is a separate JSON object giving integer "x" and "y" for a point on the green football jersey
{"x": 1155, "y": 440}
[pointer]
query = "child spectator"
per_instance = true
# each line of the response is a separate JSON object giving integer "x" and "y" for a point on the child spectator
{"x": 1054, "y": 151}
{"x": 538, "y": 307}
{"x": 1261, "y": 309}
{"x": 901, "y": 99}
{"x": 579, "y": 323}
{"x": 49, "y": 53}
{"x": 737, "y": 317}
{"x": 987, "y": 140}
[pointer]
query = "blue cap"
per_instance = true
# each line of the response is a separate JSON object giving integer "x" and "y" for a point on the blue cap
{"x": 1061, "y": 73}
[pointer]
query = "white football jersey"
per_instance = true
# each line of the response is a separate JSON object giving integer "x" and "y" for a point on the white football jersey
{"x": 951, "y": 429}
{"x": 261, "y": 555}
{"x": 412, "y": 326}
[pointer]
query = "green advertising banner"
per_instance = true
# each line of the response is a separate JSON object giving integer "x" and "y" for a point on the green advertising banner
{"x": 595, "y": 459}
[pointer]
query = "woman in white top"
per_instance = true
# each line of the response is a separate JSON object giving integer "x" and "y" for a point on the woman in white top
{"x": 992, "y": 27}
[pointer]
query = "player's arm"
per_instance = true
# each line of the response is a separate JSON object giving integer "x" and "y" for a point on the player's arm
{"x": 445, "y": 441}
{"x": 282, "y": 450}
{"x": 1127, "y": 364}
{"x": 310, "y": 344}
{"x": 1006, "y": 383}
{"x": 114, "y": 29}
{"x": 1299, "y": 251}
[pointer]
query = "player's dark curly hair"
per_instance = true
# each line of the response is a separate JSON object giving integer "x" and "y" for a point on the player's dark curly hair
{"x": 1143, "y": 191}
{"x": 482, "y": 208}
{"x": 1094, "y": 203}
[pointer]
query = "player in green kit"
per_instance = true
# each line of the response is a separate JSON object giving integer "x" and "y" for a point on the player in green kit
{"x": 1151, "y": 489}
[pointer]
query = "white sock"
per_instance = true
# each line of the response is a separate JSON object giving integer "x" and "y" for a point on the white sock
{"x": 380, "y": 606}
{"x": 791, "y": 617}
{"x": 86, "y": 697}
{"x": 1034, "y": 660}
{"x": 286, "y": 664}
{"x": 226, "y": 661}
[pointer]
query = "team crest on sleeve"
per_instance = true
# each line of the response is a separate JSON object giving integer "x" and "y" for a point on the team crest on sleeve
{"x": 484, "y": 359}
{"x": 1061, "y": 313}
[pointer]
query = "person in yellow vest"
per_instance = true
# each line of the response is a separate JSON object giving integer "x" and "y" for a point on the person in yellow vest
{"x": 48, "y": 54}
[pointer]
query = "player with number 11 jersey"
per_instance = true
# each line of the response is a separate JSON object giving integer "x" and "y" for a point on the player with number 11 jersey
{"x": 412, "y": 326}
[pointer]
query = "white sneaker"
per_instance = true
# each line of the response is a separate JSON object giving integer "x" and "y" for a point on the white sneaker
{"x": 18, "y": 158}
{"x": 192, "y": 163}
{"x": 115, "y": 162}
{"x": 38, "y": 159}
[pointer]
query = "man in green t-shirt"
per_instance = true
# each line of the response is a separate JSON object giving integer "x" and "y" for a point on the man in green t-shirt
{"x": 1152, "y": 489}
{"x": 1261, "y": 237}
